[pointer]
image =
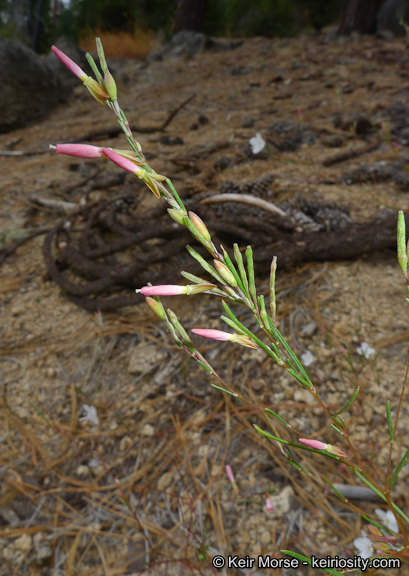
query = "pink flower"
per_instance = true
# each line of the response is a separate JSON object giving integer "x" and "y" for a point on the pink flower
{"x": 225, "y": 336}
{"x": 230, "y": 476}
{"x": 213, "y": 334}
{"x": 269, "y": 505}
{"x": 175, "y": 290}
{"x": 70, "y": 64}
{"x": 313, "y": 443}
{"x": 229, "y": 473}
{"x": 317, "y": 445}
{"x": 121, "y": 161}
{"x": 165, "y": 290}
{"x": 79, "y": 150}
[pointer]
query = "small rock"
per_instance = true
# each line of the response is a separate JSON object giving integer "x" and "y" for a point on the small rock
{"x": 145, "y": 357}
{"x": 302, "y": 396}
{"x": 148, "y": 430}
{"x": 281, "y": 503}
{"x": 125, "y": 443}
{"x": 42, "y": 548}
{"x": 257, "y": 384}
{"x": 82, "y": 470}
{"x": 24, "y": 543}
{"x": 309, "y": 329}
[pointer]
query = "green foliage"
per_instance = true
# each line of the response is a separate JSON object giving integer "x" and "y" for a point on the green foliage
{"x": 269, "y": 17}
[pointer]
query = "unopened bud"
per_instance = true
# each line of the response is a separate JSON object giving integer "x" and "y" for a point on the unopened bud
{"x": 199, "y": 225}
{"x": 101, "y": 54}
{"x": 177, "y": 216}
{"x": 401, "y": 237}
{"x": 110, "y": 85}
{"x": 156, "y": 307}
{"x": 225, "y": 273}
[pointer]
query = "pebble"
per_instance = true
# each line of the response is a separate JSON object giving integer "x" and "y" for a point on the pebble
{"x": 148, "y": 430}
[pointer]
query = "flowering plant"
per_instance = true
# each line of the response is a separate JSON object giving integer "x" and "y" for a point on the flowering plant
{"x": 233, "y": 281}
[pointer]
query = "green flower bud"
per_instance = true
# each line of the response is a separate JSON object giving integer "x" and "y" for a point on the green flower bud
{"x": 225, "y": 273}
{"x": 110, "y": 85}
{"x": 402, "y": 255}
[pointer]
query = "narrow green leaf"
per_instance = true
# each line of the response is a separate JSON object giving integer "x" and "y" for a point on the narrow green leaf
{"x": 335, "y": 428}
{"x": 334, "y": 489}
{"x": 250, "y": 270}
{"x": 231, "y": 267}
{"x": 233, "y": 325}
{"x": 224, "y": 390}
{"x": 401, "y": 464}
{"x": 95, "y": 70}
{"x": 348, "y": 404}
{"x": 204, "y": 366}
{"x": 373, "y": 522}
{"x": 178, "y": 326}
{"x": 193, "y": 278}
{"x": 176, "y": 195}
{"x": 249, "y": 333}
{"x": 371, "y": 486}
{"x": 101, "y": 55}
{"x": 401, "y": 238}
{"x": 205, "y": 265}
{"x": 399, "y": 511}
{"x": 239, "y": 259}
{"x": 278, "y": 417}
{"x": 389, "y": 418}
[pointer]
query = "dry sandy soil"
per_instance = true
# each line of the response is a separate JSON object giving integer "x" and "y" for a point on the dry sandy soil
{"x": 144, "y": 488}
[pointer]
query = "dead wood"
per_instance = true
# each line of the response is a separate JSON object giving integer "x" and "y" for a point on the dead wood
{"x": 352, "y": 153}
{"x": 102, "y": 252}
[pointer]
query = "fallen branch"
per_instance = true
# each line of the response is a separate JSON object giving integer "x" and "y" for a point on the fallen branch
{"x": 350, "y": 154}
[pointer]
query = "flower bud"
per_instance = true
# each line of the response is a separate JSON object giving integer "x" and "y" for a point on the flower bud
{"x": 225, "y": 273}
{"x": 401, "y": 236}
{"x": 199, "y": 225}
{"x": 79, "y": 150}
{"x": 70, "y": 64}
{"x": 122, "y": 162}
{"x": 156, "y": 307}
{"x": 177, "y": 216}
{"x": 316, "y": 444}
{"x": 110, "y": 85}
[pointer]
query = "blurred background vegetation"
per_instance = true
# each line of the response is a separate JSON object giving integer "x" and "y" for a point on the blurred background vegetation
{"x": 39, "y": 22}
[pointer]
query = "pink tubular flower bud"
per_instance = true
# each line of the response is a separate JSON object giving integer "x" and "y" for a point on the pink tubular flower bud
{"x": 79, "y": 150}
{"x": 199, "y": 225}
{"x": 213, "y": 334}
{"x": 165, "y": 290}
{"x": 121, "y": 161}
{"x": 70, "y": 64}
{"x": 175, "y": 290}
{"x": 269, "y": 504}
{"x": 316, "y": 444}
{"x": 232, "y": 479}
{"x": 229, "y": 473}
{"x": 225, "y": 336}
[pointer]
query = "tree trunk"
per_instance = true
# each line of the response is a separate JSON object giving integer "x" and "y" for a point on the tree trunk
{"x": 359, "y": 16}
{"x": 190, "y": 15}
